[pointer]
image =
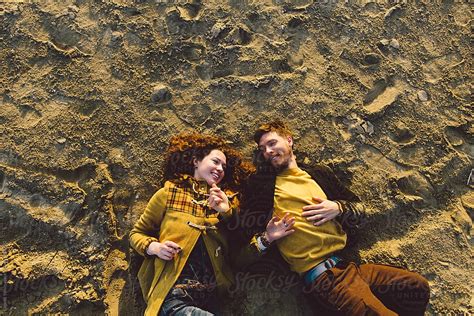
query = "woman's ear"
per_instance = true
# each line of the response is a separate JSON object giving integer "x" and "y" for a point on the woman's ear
{"x": 195, "y": 162}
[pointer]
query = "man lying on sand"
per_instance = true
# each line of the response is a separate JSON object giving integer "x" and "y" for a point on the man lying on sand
{"x": 320, "y": 211}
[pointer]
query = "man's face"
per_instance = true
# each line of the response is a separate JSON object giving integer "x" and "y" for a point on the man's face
{"x": 276, "y": 149}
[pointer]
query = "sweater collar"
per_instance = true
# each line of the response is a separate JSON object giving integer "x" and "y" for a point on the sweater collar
{"x": 290, "y": 172}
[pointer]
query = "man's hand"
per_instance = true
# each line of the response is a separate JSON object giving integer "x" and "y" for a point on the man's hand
{"x": 320, "y": 213}
{"x": 218, "y": 199}
{"x": 278, "y": 228}
{"x": 166, "y": 250}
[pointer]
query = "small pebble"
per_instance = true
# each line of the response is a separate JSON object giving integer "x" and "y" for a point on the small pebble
{"x": 422, "y": 95}
{"x": 391, "y": 11}
{"x": 361, "y": 138}
{"x": 73, "y": 8}
{"x": 116, "y": 36}
{"x": 161, "y": 94}
{"x": 368, "y": 127}
{"x": 394, "y": 43}
{"x": 384, "y": 42}
{"x": 61, "y": 140}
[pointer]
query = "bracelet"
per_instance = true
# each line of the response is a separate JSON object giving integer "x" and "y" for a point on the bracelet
{"x": 340, "y": 208}
{"x": 145, "y": 252}
{"x": 264, "y": 240}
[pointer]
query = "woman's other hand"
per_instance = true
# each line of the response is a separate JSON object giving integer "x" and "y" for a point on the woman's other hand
{"x": 166, "y": 250}
{"x": 218, "y": 199}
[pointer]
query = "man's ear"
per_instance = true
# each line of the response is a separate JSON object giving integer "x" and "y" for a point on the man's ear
{"x": 290, "y": 141}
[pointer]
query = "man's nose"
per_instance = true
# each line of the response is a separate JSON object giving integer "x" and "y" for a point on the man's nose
{"x": 267, "y": 152}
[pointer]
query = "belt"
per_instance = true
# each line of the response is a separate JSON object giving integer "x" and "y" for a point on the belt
{"x": 316, "y": 271}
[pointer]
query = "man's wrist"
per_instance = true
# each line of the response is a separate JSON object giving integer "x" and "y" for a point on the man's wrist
{"x": 265, "y": 240}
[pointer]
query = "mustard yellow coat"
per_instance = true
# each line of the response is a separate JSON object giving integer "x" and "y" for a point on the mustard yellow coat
{"x": 166, "y": 217}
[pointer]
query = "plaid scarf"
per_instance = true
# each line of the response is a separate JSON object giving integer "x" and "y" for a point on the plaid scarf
{"x": 188, "y": 195}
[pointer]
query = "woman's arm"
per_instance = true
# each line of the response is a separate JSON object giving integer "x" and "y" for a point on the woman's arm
{"x": 147, "y": 228}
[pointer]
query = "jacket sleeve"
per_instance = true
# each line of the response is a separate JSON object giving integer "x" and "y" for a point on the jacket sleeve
{"x": 353, "y": 215}
{"x": 146, "y": 229}
{"x": 244, "y": 251}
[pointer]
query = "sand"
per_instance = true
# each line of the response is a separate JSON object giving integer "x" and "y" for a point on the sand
{"x": 91, "y": 91}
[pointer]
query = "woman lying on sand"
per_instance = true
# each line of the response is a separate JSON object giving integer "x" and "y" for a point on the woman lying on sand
{"x": 182, "y": 231}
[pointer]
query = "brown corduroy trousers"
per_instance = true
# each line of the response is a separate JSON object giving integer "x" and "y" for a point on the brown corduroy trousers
{"x": 369, "y": 289}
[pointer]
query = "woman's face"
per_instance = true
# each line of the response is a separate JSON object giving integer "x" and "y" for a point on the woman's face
{"x": 210, "y": 168}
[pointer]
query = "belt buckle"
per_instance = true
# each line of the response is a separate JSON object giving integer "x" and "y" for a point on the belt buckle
{"x": 329, "y": 263}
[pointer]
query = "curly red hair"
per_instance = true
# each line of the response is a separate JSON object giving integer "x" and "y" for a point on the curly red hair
{"x": 185, "y": 147}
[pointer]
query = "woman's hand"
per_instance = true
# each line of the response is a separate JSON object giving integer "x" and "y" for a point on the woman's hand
{"x": 218, "y": 199}
{"x": 166, "y": 250}
{"x": 278, "y": 228}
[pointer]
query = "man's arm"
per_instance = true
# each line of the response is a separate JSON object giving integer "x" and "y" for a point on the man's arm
{"x": 351, "y": 211}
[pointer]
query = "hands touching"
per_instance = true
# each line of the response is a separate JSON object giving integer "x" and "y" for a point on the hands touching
{"x": 218, "y": 199}
{"x": 166, "y": 250}
{"x": 320, "y": 213}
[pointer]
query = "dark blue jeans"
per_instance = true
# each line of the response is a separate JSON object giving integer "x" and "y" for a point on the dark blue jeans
{"x": 181, "y": 302}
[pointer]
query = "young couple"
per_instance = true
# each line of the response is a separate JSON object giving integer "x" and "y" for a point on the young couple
{"x": 183, "y": 232}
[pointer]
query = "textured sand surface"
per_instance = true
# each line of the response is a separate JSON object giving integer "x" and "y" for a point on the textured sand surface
{"x": 92, "y": 90}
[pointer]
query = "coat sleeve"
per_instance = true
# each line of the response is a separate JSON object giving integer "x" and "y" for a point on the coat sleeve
{"x": 243, "y": 251}
{"x": 353, "y": 214}
{"x": 146, "y": 229}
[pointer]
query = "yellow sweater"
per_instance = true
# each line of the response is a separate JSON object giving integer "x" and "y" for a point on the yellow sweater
{"x": 309, "y": 244}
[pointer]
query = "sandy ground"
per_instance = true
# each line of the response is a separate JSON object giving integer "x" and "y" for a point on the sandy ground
{"x": 92, "y": 90}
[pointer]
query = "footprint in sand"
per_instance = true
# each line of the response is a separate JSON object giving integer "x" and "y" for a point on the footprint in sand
{"x": 371, "y": 60}
{"x": 190, "y": 11}
{"x": 377, "y": 159}
{"x": 401, "y": 133}
{"x": 193, "y": 51}
{"x": 436, "y": 68}
{"x": 415, "y": 187}
{"x": 178, "y": 22}
{"x": 460, "y": 140}
{"x": 383, "y": 93}
{"x": 412, "y": 185}
{"x": 240, "y": 35}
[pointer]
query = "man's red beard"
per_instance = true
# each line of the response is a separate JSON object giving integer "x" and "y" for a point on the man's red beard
{"x": 285, "y": 162}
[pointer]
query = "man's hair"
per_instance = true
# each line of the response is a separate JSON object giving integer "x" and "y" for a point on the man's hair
{"x": 274, "y": 126}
